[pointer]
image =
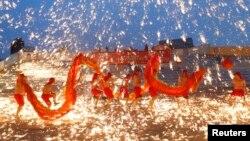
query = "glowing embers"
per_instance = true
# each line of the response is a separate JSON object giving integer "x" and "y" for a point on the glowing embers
{"x": 119, "y": 121}
{"x": 35, "y": 69}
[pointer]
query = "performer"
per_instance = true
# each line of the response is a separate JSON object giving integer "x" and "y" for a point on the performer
{"x": 108, "y": 84}
{"x": 137, "y": 85}
{"x": 48, "y": 92}
{"x": 239, "y": 88}
{"x": 20, "y": 92}
{"x": 124, "y": 88}
{"x": 181, "y": 82}
{"x": 95, "y": 88}
{"x": 153, "y": 92}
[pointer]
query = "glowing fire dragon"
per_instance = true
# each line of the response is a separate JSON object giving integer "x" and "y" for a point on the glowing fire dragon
{"x": 70, "y": 89}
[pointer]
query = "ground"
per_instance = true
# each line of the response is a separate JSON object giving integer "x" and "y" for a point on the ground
{"x": 119, "y": 121}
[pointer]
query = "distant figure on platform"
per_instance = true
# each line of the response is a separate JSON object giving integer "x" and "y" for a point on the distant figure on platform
{"x": 239, "y": 88}
{"x": 96, "y": 88}
{"x": 48, "y": 92}
{"x": 20, "y": 92}
{"x": 181, "y": 82}
{"x": 108, "y": 85}
{"x": 107, "y": 49}
{"x": 146, "y": 47}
